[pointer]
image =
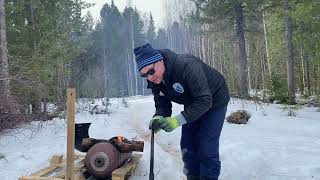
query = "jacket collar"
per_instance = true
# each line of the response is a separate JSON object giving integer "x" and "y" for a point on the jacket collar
{"x": 169, "y": 59}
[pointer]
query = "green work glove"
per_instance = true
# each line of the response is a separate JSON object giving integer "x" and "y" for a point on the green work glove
{"x": 170, "y": 123}
{"x": 154, "y": 123}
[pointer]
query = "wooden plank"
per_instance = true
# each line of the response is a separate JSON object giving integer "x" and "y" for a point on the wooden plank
{"x": 127, "y": 167}
{"x": 56, "y": 159}
{"x": 79, "y": 165}
{"x": 135, "y": 164}
{"x": 60, "y": 175}
{"x": 45, "y": 171}
{"x": 79, "y": 176}
{"x": 71, "y": 100}
{"x": 53, "y": 166}
{"x": 118, "y": 177}
{"x": 131, "y": 170}
{"x": 77, "y": 160}
{"x": 38, "y": 178}
{"x": 78, "y": 173}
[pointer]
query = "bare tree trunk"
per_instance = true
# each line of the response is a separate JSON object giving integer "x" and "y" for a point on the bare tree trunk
{"x": 33, "y": 25}
{"x": 129, "y": 82}
{"x": 105, "y": 72}
{"x": 302, "y": 73}
{"x": 308, "y": 76}
{"x": 290, "y": 75}
{"x": 61, "y": 86}
{"x": 143, "y": 88}
{"x": 186, "y": 37}
{"x": 210, "y": 52}
{"x": 130, "y": 86}
{"x": 262, "y": 62}
{"x": 134, "y": 62}
{"x": 203, "y": 51}
{"x": 200, "y": 45}
{"x": 266, "y": 44}
{"x": 243, "y": 69}
{"x": 45, "y": 108}
{"x": 223, "y": 60}
{"x": 249, "y": 67}
{"x": 316, "y": 73}
{"x": 305, "y": 72}
{"x": 4, "y": 66}
{"x": 236, "y": 69}
{"x": 315, "y": 77}
{"x": 221, "y": 57}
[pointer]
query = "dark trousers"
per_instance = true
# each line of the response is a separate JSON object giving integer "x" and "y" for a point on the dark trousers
{"x": 200, "y": 144}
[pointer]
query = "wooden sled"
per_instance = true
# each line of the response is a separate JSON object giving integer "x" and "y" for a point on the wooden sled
{"x": 56, "y": 169}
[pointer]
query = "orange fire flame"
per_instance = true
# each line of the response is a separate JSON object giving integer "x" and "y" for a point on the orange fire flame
{"x": 120, "y": 138}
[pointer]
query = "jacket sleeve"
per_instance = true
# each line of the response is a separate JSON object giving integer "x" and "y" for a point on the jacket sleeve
{"x": 162, "y": 104}
{"x": 200, "y": 91}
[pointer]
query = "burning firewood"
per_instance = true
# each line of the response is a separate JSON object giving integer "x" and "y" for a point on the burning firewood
{"x": 121, "y": 143}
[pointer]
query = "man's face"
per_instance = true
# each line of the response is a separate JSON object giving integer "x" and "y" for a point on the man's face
{"x": 154, "y": 72}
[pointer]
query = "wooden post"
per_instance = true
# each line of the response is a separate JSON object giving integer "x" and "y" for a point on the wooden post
{"x": 71, "y": 100}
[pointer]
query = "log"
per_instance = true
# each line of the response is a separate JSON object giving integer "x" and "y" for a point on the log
{"x": 121, "y": 143}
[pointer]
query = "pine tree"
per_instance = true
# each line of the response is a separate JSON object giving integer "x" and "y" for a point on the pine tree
{"x": 235, "y": 10}
{"x": 290, "y": 77}
{"x": 4, "y": 66}
{"x": 151, "y": 35}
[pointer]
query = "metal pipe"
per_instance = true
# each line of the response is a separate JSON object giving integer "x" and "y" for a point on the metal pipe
{"x": 151, "y": 175}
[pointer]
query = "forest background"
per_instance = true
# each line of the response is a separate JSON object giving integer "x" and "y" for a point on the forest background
{"x": 267, "y": 50}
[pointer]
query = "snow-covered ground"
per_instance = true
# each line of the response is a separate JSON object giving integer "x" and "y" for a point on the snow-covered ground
{"x": 272, "y": 146}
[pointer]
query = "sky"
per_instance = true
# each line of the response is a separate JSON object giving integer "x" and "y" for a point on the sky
{"x": 144, "y": 6}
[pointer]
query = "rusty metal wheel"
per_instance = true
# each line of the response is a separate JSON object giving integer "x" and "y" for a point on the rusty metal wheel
{"x": 102, "y": 159}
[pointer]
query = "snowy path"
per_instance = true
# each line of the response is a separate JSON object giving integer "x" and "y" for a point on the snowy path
{"x": 272, "y": 146}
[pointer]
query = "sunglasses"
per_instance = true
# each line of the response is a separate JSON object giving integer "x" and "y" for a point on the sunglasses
{"x": 149, "y": 72}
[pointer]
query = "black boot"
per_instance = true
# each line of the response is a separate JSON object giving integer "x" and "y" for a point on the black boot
{"x": 191, "y": 177}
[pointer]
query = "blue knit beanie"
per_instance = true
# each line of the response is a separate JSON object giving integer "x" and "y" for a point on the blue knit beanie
{"x": 146, "y": 55}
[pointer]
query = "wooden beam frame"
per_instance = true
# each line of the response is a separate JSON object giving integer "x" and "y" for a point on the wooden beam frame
{"x": 71, "y": 103}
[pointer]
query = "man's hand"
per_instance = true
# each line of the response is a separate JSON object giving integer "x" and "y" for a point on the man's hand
{"x": 170, "y": 123}
{"x": 154, "y": 123}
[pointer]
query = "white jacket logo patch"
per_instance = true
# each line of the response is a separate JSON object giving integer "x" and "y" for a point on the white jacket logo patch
{"x": 178, "y": 87}
{"x": 161, "y": 93}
